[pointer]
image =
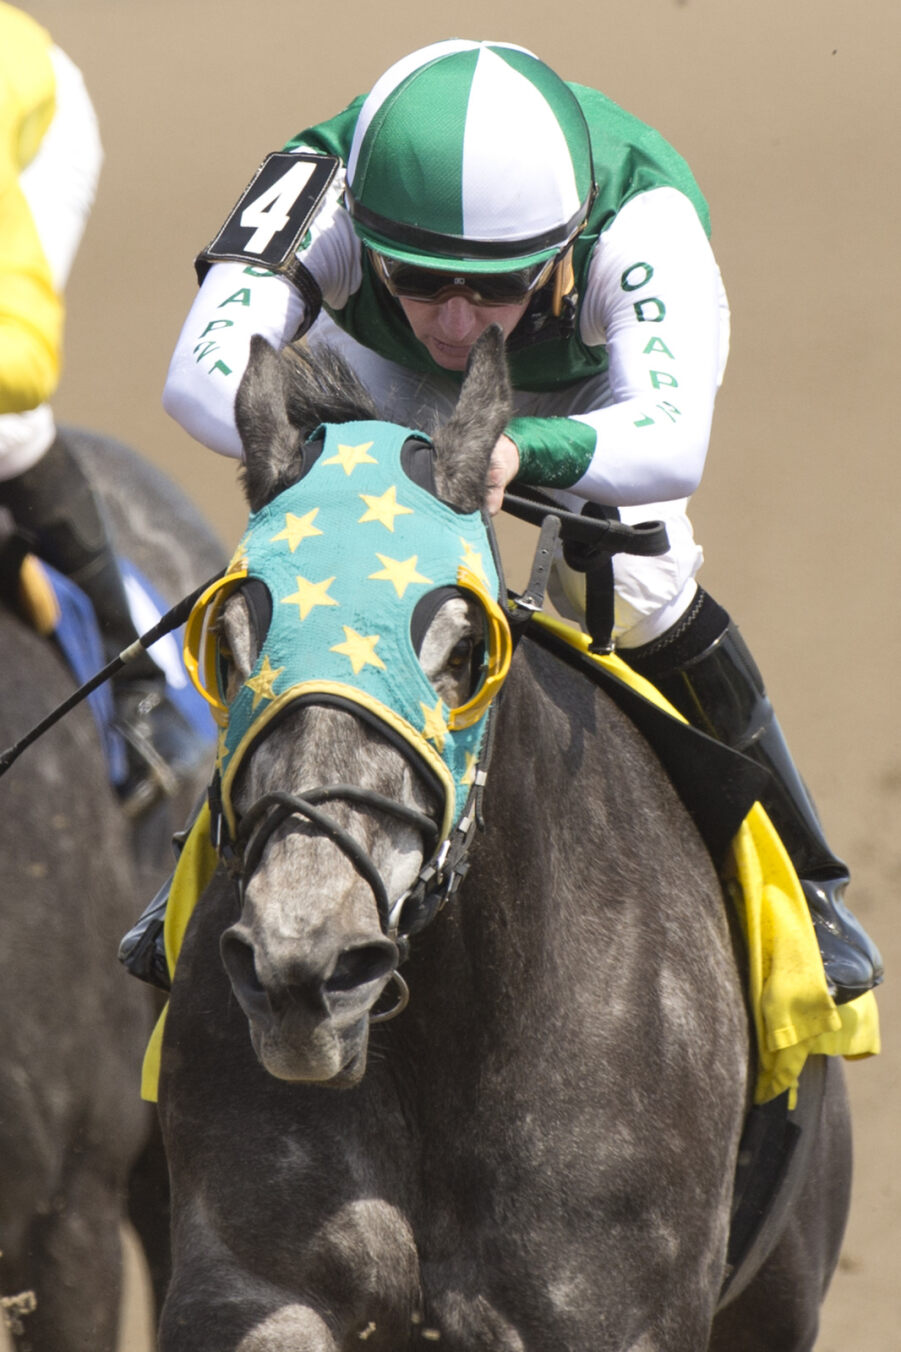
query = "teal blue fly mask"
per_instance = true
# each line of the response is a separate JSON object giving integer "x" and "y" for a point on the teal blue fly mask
{"x": 356, "y": 556}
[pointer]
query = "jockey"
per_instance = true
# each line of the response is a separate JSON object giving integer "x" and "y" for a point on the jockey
{"x": 50, "y": 156}
{"x": 472, "y": 187}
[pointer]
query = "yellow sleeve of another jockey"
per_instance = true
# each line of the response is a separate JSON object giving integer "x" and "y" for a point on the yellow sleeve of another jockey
{"x": 31, "y": 311}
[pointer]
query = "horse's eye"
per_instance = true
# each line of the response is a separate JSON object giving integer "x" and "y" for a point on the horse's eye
{"x": 461, "y": 654}
{"x": 225, "y": 665}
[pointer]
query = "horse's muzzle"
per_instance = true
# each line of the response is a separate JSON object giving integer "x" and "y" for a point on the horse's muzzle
{"x": 308, "y": 1005}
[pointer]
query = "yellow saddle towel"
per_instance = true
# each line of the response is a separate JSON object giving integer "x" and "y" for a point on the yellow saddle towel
{"x": 794, "y": 1014}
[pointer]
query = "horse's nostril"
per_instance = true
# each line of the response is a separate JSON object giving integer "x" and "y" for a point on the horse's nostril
{"x": 237, "y": 957}
{"x": 358, "y": 966}
{"x": 311, "y": 978}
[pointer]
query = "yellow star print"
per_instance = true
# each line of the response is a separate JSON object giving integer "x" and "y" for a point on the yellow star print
{"x": 263, "y": 683}
{"x": 309, "y": 595}
{"x": 469, "y": 773}
{"x": 434, "y": 728}
{"x": 360, "y": 648}
{"x": 297, "y": 528}
{"x": 239, "y": 558}
{"x": 400, "y": 572}
{"x": 384, "y": 508}
{"x": 472, "y": 560}
{"x": 348, "y": 457}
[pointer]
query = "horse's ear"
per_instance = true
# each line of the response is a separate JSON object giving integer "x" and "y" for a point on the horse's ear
{"x": 271, "y": 441}
{"x": 464, "y": 444}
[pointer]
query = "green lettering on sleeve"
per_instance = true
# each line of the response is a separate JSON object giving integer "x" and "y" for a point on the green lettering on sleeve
{"x": 241, "y": 297}
{"x": 660, "y": 378}
{"x": 658, "y": 345}
{"x": 636, "y": 276}
{"x": 217, "y": 324}
{"x": 204, "y": 349}
{"x": 647, "y": 315}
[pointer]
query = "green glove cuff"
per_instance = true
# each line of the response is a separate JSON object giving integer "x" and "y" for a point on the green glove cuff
{"x": 553, "y": 452}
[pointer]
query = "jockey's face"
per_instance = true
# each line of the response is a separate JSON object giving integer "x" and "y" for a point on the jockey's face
{"x": 448, "y": 329}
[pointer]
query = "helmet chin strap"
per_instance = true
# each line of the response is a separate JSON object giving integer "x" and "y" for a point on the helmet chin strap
{"x": 564, "y": 280}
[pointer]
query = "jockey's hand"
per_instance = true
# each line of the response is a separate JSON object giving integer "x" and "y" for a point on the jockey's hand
{"x": 502, "y": 470}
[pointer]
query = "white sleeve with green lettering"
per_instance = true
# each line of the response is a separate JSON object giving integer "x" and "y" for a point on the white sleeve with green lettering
{"x": 234, "y": 303}
{"x": 655, "y": 296}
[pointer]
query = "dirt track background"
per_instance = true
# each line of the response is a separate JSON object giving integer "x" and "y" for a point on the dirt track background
{"x": 789, "y": 112}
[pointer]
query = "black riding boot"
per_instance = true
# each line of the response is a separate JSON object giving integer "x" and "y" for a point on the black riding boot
{"x": 703, "y": 666}
{"x": 142, "y": 951}
{"x": 54, "y": 505}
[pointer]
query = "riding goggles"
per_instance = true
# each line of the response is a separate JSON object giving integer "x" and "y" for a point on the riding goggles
{"x": 406, "y": 281}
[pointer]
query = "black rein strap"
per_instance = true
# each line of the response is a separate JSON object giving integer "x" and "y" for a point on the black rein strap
{"x": 647, "y": 538}
{"x": 590, "y": 539}
{"x": 268, "y": 813}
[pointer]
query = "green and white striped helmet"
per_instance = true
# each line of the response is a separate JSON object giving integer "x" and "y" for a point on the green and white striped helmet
{"x": 470, "y": 152}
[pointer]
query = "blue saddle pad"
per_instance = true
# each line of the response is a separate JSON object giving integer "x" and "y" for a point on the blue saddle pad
{"x": 78, "y": 636}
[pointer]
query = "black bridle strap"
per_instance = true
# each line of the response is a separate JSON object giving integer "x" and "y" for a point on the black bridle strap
{"x": 252, "y": 837}
{"x": 647, "y": 538}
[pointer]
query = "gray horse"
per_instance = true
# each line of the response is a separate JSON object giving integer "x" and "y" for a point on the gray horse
{"x": 73, "y": 1131}
{"x": 538, "y": 1154}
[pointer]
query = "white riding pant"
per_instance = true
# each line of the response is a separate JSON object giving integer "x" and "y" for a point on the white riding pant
{"x": 650, "y": 594}
{"x": 59, "y": 185}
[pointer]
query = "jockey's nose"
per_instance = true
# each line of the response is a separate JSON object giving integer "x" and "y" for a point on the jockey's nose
{"x": 459, "y": 319}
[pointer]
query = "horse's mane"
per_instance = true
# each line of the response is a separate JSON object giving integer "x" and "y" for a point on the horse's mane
{"x": 323, "y": 388}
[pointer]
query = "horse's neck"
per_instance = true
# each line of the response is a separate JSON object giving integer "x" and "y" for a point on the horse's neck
{"x": 589, "y": 874}
{"x": 521, "y": 909}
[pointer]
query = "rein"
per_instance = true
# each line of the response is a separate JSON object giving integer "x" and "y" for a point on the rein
{"x": 268, "y": 813}
{"x": 600, "y": 537}
{"x": 447, "y": 865}
{"x": 590, "y": 538}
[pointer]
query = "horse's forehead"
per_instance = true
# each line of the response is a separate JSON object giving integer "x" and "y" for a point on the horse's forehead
{"x": 318, "y": 744}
